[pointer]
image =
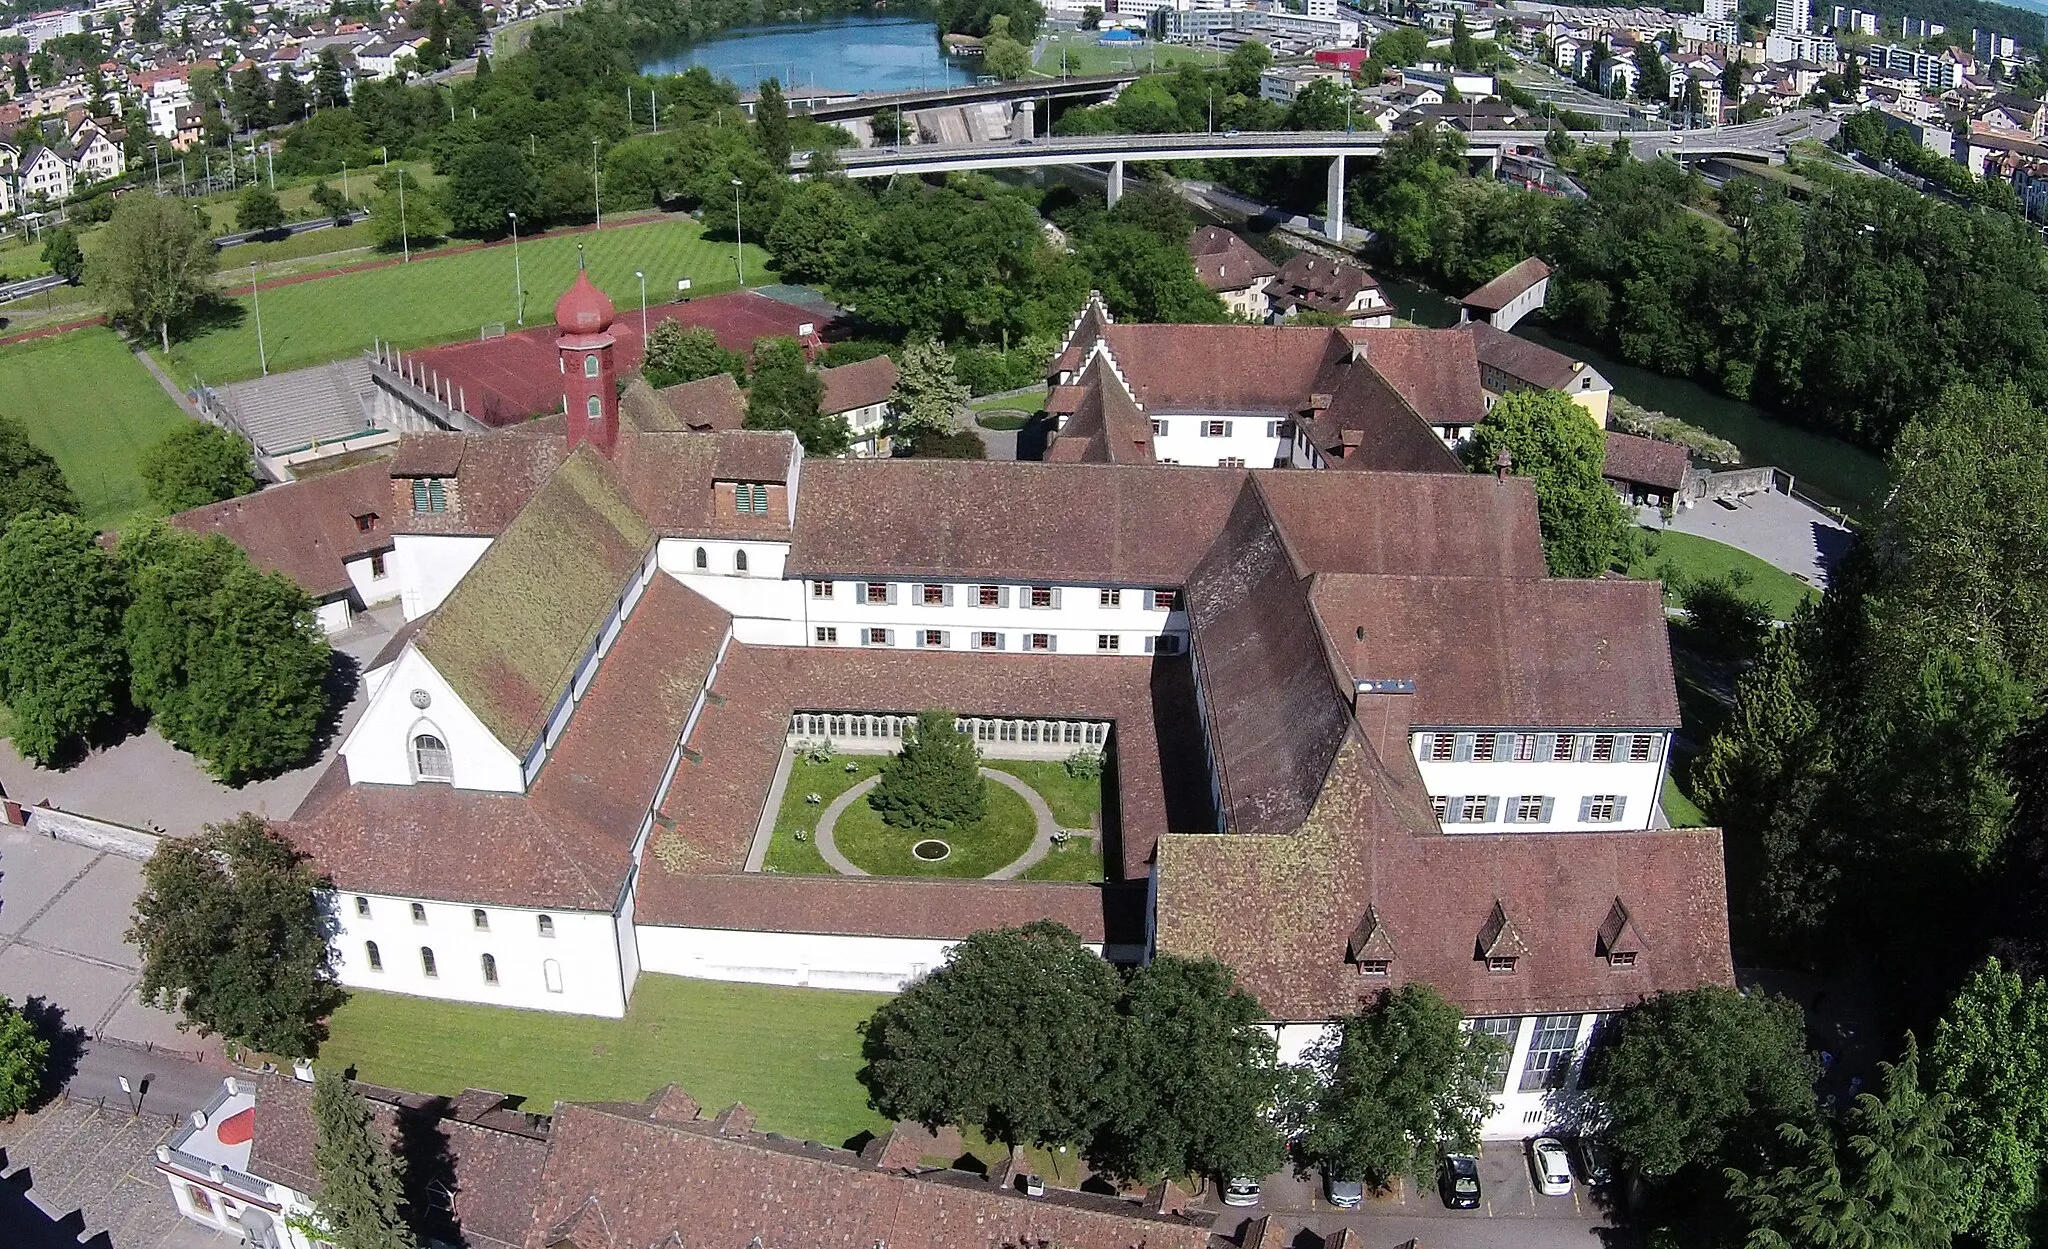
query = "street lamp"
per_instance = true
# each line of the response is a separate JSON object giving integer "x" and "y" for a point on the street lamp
{"x": 158, "y": 162}
{"x": 404, "y": 235}
{"x": 643, "y": 309}
{"x": 739, "y": 251}
{"x": 518, "y": 282}
{"x": 595, "y": 202}
{"x": 262, "y": 357}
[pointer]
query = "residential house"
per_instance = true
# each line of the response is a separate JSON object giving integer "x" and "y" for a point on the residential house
{"x": 859, "y": 394}
{"x": 1281, "y": 84}
{"x": 1312, "y": 283}
{"x": 95, "y": 153}
{"x": 1508, "y": 363}
{"x": 1233, "y": 269}
{"x": 45, "y": 177}
{"x": 1646, "y": 472}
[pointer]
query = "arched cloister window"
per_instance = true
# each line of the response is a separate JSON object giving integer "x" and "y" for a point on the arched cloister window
{"x": 490, "y": 962}
{"x": 703, "y": 558}
{"x": 739, "y": 561}
{"x": 547, "y": 925}
{"x": 427, "y": 963}
{"x": 376, "y": 958}
{"x": 430, "y": 759}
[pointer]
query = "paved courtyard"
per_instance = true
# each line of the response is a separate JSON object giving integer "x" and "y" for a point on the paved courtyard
{"x": 1776, "y": 528}
{"x": 76, "y": 1170}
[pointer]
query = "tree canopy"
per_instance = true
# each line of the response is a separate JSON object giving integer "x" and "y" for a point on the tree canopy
{"x": 1553, "y": 441}
{"x": 152, "y": 265}
{"x": 24, "y": 1059}
{"x": 928, "y": 395}
{"x": 786, "y": 394}
{"x": 361, "y": 1199}
{"x": 934, "y": 783}
{"x": 61, "y": 665}
{"x": 196, "y": 464}
{"x": 678, "y": 354}
{"x": 1990, "y": 1059}
{"x": 30, "y": 481}
{"x": 233, "y": 938}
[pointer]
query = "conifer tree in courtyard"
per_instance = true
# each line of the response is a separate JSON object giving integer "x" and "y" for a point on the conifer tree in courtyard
{"x": 360, "y": 1193}
{"x": 935, "y": 782}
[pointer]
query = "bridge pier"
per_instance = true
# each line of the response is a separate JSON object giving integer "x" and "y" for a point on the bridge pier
{"x": 1333, "y": 210}
{"x": 1116, "y": 182}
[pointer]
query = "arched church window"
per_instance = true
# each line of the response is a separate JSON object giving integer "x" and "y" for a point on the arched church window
{"x": 590, "y": 365}
{"x": 594, "y": 406}
{"x": 430, "y": 759}
{"x": 739, "y": 561}
{"x": 703, "y": 558}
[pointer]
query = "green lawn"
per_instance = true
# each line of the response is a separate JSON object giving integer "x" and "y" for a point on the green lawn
{"x": 1028, "y": 402}
{"x": 1075, "y": 801}
{"x": 1086, "y": 55}
{"x": 1691, "y": 556}
{"x": 827, "y": 780}
{"x": 453, "y": 296}
{"x": 1680, "y": 809}
{"x": 1077, "y": 860}
{"x": 89, "y": 403}
{"x": 789, "y": 1054}
{"x": 22, "y": 260}
{"x": 1001, "y": 835}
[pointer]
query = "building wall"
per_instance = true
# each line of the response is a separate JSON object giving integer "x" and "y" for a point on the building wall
{"x": 1076, "y": 622}
{"x": 1634, "y": 784}
{"x": 812, "y": 960}
{"x": 1007, "y": 737}
{"x": 371, "y": 588}
{"x": 334, "y": 614}
{"x": 584, "y": 979}
{"x": 429, "y": 565}
{"x": 379, "y": 748}
{"x": 1180, "y": 438}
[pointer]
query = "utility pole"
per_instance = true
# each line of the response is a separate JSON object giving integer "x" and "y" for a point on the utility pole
{"x": 404, "y": 236}
{"x": 262, "y": 357}
{"x": 595, "y": 202}
{"x": 518, "y": 281}
{"x": 641, "y": 274}
{"x": 739, "y": 251}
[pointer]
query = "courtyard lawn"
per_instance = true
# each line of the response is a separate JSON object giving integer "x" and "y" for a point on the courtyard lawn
{"x": 452, "y": 296}
{"x": 1076, "y": 801}
{"x": 88, "y": 402}
{"x": 1076, "y": 860}
{"x": 1680, "y": 809}
{"x": 828, "y": 780}
{"x": 1691, "y": 556}
{"x": 789, "y": 1054}
{"x": 1028, "y": 402}
{"x": 1003, "y": 834}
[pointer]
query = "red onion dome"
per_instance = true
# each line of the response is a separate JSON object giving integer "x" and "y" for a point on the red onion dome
{"x": 583, "y": 309}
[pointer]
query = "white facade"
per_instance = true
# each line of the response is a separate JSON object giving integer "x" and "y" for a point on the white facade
{"x": 867, "y": 425}
{"x": 1283, "y": 83}
{"x": 46, "y": 177}
{"x": 95, "y": 158}
{"x": 568, "y": 961}
{"x": 745, "y": 579}
{"x": 1210, "y": 440}
{"x": 166, "y": 97}
{"x": 994, "y": 616}
{"x": 1791, "y": 17}
{"x": 428, "y": 567}
{"x": 413, "y": 701}
{"x": 1492, "y": 782}
{"x": 807, "y": 960}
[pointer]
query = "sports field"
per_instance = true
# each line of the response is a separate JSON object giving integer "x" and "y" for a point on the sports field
{"x": 454, "y": 296}
{"x": 789, "y": 1054}
{"x": 93, "y": 407}
{"x": 1085, "y": 54}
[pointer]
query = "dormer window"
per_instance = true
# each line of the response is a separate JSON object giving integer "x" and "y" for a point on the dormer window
{"x": 366, "y": 522}
{"x": 1501, "y": 966}
{"x": 1619, "y": 942}
{"x": 429, "y": 494}
{"x": 1375, "y": 967}
{"x": 430, "y": 759}
{"x": 750, "y": 499}
{"x": 1621, "y": 959}
{"x": 1500, "y": 944}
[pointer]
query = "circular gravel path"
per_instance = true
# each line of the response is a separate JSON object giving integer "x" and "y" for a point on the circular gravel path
{"x": 1041, "y": 844}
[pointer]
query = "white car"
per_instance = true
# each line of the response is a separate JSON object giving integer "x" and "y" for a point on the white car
{"x": 1241, "y": 1191}
{"x": 1549, "y": 1164}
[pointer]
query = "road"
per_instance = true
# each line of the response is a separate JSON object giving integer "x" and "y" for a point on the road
{"x": 287, "y": 231}
{"x": 160, "y": 1083}
{"x": 29, "y": 286}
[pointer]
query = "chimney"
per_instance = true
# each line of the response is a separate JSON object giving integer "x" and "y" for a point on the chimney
{"x": 1502, "y": 462}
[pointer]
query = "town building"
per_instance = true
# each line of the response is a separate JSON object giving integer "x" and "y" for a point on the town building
{"x": 1309, "y": 282}
{"x": 1233, "y": 270}
{"x": 1505, "y": 300}
{"x": 859, "y": 394}
{"x": 620, "y": 629}
{"x": 1646, "y": 472}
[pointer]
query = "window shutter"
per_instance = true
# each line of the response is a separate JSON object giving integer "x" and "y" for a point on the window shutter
{"x": 1492, "y": 810}
{"x": 1503, "y": 747}
{"x": 1582, "y": 747}
{"x": 419, "y": 494}
{"x": 1454, "y": 809}
{"x": 1461, "y": 748}
{"x": 1003, "y": 596}
{"x": 1585, "y": 809}
{"x": 946, "y": 595}
{"x": 888, "y": 637}
{"x": 1620, "y": 805}
{"x": 1052, "y": 641}
{"x": 1549, "y": 805}
{"x": 1422, "y": 747}
{"x": 1546, "y": 746}
{"x": 1656, "y": 747}
{"x": 891, "y": 592}
{"x": 945, "y": 639}
{"x": 1056, "y": 592}
{"x": 860, "y": 592}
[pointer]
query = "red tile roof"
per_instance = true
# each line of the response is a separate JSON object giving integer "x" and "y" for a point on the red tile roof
{"x": 1319, "y": 282}
{"x": 307, "y": 529}
{"x": 1455, "y": 524}
{"x": 1646, "y": 462}
{"x": 1225, "y": 262}
{"x": 859, "y": 385}
{"x": 1504, "y": 289}
{"x": 1529, "y": 362}
{"x": 863, "y": 906}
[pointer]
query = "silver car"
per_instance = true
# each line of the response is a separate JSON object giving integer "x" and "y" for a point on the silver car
{"x": 1342, "y": 1194}
{"x": 1242, "y": 1191}
{"x": 1550, "y": 1167}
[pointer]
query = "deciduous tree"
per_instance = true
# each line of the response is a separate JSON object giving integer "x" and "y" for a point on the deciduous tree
{"x": 152, "y": 265}
{"x": 1552, "y": 441}
{"x": 486, "y": 181}
{"x": 233, "y": 937}
{"x": 196, "y": 464}
{"x": 928, "y": 395}
{"x": 1990, "y": 1058}
{"x": 1008, "y": 1036}
{"x": 786, "y": 394}
{"x": 678, "y": 354}
{"x": 820, "y": 222}
{"x": 1394, "y": 1081}
{"x": 934, "y": 783}
{"x": 397, "y": 219}
{"x": 24, "y": 1060}
{"x": 30, "y": 481}
{"x": 61, "y": 668}
{"x": 61, "y": 253}
{"x": 361, "y": 1199}
{"x": 771, "y": 124}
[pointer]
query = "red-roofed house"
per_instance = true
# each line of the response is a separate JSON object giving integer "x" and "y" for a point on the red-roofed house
{"x": 859, "y": 395}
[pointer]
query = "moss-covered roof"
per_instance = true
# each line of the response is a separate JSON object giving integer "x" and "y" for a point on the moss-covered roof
{"x": 510, "y": 635}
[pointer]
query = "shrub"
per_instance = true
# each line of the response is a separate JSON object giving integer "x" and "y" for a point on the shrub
{"x": 1085, "y": 764}
{"x": 1725, "y": 622}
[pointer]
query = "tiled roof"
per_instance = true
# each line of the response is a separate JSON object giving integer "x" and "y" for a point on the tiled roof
{"x": 705, "y": 405}
{"x": 1225, "y": 262}
{"x": 1519, "y": 358}
{"x": 568, "y": 842}
{"x": 1437, "y": 373}
{"x": 306, "y": 529}
{"x": 1501, "y": 652}
{"x": 1504, "y": 289}
{"x": 1370, "y": 424}
{"x": 1082, "y": 335}
{"x": 1222, "y": 368}
{"x": 498, "y": 474}
{"x": 862, "y": 906}
{"x": 1646, "y": 461}
{"x": 1282, "y": 910}
{"x": 1107, "y": 426}
{"x": 1464, "y": 524}
{"x": 1319, "y": 282}
{"x": 859, "y": 385}
{"x": 1111, "y": 524}
{"x": 487, "y": 1158}
{"x": 634, "y": 1175}
{"x": 508, "y": 638}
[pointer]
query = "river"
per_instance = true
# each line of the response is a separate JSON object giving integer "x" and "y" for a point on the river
{"x": 859, "y": 52}
{"x": 1829, "y": 469}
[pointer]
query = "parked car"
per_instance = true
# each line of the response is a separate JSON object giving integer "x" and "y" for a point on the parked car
{"x": 1343, "y": 1194}
{"x": 1457, "y": 1181}
{"x": 1242, "y": 1191}
{"x": 1596, "y": 1162}
{"x": 1548, "y": 1164}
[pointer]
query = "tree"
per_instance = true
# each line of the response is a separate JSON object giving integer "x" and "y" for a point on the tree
{"x": 1464, "y": 49}
{"x": 1241, "y": 69}
{"x": 60, "y": 654}
{"x": 330, "y": 87}
{"x": 771, "y": 124}
{"x": 61, "y": 253}
{"x": 487, "y": 181}
{"x": 233, "y": 937}
{"x": 258, "y": 210}
{"x": 934, "y": 783}
{"x": 1005, "y": 57}
{"x": 397, "y": 217}
{"x": 1885, "y": 1177}
{"x": 359, "y": 1206}
{"x": 1552, "y": 441}
{"x": 1393, "y": 1081}
{"x": 1008, "y": 1035}
{"x": 24, "y": 1060}
{"x": 820, "y": 223}
{"x": 1653, "y": 73}
{"x": 249, "y": 99}
{"x": 887, "y": 126}
{"x": 1990, "y": 1058}
{"x": 1192, "y": 1078}
{"x": 289, "y": 99}
{"x": 196, "y": 464}
{"x": 786, "y": 394}
{"x": 928, "y": 395}
{"x": 1091, "y": 17}
{"x": 1687, "y": 1076}
{"x": 152, "y": 265}
{"x": 30, "y": 481}
{"x": 676, "y": 354}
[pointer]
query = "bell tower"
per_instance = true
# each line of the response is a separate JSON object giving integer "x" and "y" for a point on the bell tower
{"x": 583, "y": 347}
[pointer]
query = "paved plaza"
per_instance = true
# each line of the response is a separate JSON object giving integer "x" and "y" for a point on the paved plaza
{"x": 1776, "y": 528}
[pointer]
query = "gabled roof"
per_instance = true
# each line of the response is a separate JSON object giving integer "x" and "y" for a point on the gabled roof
{"x": 1504, "y": 289}
{"x": 1646, "y": 461}
{"x": 1107, "y": 426}
{"x": 1319, "y": 282}
{"x": 306, "y": 529}
{"x": 1225, "y": 262}
{"x": 706, "y": 405}
{"x": 1421, "y": 523}
{"x": 858, "y": 385}
{"x": 510, "y": 635}
{"x": 1519, "y": 358}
